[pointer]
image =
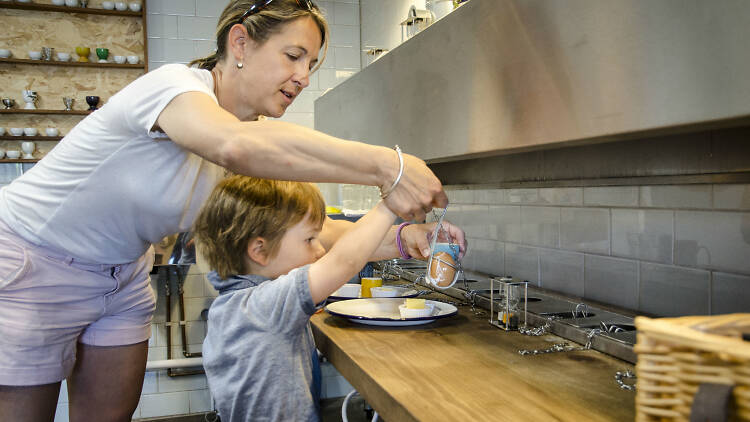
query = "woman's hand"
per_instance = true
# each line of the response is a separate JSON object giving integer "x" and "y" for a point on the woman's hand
{"x": 418, "y": 191}
{"x": 416, "y": 239}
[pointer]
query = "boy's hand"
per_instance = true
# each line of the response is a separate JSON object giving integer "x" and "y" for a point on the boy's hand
{"x": 416, "y": 238}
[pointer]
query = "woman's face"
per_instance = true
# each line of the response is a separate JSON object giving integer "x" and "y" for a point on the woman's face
{"x": 275, "y": 72}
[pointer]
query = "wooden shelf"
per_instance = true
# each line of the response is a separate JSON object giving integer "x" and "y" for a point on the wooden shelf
{"x": 73, "y": 63}
{"x": 23, "y": 138}
{"x": 40, "y": 111}
{"x": 18, "y": 160}
{"x": 65, "y": 9}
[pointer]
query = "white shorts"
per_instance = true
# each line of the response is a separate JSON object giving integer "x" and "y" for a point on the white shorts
{"x": 49, "y": 302}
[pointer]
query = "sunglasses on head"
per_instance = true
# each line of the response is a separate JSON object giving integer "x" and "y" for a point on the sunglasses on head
{"x": 259, "y": 5}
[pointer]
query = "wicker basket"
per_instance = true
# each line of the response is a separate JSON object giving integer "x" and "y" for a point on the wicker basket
{"x": 677, "y": 355}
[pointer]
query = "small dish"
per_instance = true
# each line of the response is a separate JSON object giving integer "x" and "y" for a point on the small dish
{"x": 35, "y": 55}
{"x": 121, "y": 6}
{"x": 416, "y": 313}
{"x": 51, "y": 131}
{"x": 133, "y": 59}
{"x": 383, "y": 291}
{"x": 30, "y": 131}
{"x": 16, "y": 131}
{"x": 63, "y": 57}
{"x": 134, "y": 6}
{"x": 109, "y": 5}
{"x": 71, "y": 3}
{"x": 13, "y": 154}
{"x": 119, "y": 59}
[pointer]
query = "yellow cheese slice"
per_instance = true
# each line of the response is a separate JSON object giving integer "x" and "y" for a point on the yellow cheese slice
{"x": 414, "y": 303}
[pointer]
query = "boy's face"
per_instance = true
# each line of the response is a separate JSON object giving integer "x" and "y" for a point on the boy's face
{"x": 299, "y": 246}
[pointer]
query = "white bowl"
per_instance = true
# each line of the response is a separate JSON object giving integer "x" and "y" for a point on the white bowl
{"x": 58, "y": 2}
{"x": 121, "y": 6}
{"x": 71, "y": 3}
{"x": 133, "y": 59}
{"x": 30, "y": 131}
{"x": 51, "y": 131}
{"x": 35, "y": 55}
{"x": 109, "y": 5}
{"x": 4, "y": 53}
{"x": 416, "y": 313}
{"x": 2, "y": 131}
{"x": 13, "y": 154}
{"x": 16, "y": 131}
{"x": 348, "y": 290}
{"x": 134, "y": 6}
{"x": 63, "y": 57}
{"x": 24, "y": 1}
{"x": 383, "y": 291}
{"x": 2, "y": 152}
{"x": 119, "y": 59}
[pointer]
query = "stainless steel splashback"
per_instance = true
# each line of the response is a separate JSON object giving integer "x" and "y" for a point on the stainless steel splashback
{"x": 501, "y": 76}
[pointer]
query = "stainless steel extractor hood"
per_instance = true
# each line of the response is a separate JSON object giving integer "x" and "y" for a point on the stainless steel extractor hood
{"x": 501, "y": 76}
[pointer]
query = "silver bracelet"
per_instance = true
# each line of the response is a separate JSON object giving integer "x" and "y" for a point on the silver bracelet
{"x": 384, "y": 193}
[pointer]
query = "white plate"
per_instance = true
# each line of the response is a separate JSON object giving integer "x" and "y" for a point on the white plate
{"x": 384, "y": 311}
{"x": 401, "y": 292}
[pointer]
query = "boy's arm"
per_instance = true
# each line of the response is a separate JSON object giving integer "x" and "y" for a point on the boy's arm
{"x": 350, "y": 253}
{"x": 415, "y": 239}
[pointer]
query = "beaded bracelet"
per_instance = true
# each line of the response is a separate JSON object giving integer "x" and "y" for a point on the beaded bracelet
{"x": 398, "y": 240}
{"x": 384, "y": 193}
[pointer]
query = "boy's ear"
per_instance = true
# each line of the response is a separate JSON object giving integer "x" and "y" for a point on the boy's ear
{"x": 256, "y": 250}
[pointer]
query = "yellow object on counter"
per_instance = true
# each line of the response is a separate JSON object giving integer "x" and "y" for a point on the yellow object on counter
{"x": 415, "y": 303}
{"x": 368, "y": 283}
{"x": 332, "y": 210}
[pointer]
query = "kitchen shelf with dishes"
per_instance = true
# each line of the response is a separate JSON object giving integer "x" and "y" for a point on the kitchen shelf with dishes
{"x": 72, "y": 63}
{"x": 61, "y": 69}
{"x": 19, "y": 160}
{"x": 68, "y": 9}
{"x": 40, "y": 111}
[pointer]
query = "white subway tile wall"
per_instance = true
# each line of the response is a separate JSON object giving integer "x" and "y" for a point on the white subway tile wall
{"x": 180, "y": 31}
{"x": 664, "y": 250}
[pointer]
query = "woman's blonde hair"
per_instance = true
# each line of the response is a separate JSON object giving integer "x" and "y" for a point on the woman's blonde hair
{"x": 261, "y": 25}
{"x": 242, "y": 208}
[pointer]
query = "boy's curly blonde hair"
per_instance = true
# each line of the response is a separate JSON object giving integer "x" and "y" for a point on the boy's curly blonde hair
{"x": 242, "y": 208}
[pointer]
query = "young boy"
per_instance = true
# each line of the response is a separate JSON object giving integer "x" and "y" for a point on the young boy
{"x": 259, "y": 354}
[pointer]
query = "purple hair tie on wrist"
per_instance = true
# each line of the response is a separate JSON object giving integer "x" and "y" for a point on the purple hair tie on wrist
{"x": 398, "y": 240}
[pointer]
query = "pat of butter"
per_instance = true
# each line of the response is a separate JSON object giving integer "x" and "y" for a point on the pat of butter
{"x": 414, "y": 303}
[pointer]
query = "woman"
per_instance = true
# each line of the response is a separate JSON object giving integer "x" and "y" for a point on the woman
{"x": 76, "y": 230}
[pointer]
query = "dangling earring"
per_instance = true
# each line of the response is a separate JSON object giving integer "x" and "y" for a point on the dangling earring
{"x": 239, "y": 65}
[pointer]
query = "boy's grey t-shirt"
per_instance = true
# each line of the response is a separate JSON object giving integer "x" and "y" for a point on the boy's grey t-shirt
{"x": 258, "y": 350}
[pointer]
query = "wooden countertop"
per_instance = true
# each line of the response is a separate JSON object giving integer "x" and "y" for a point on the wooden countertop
{"x": 463, "y": 369}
